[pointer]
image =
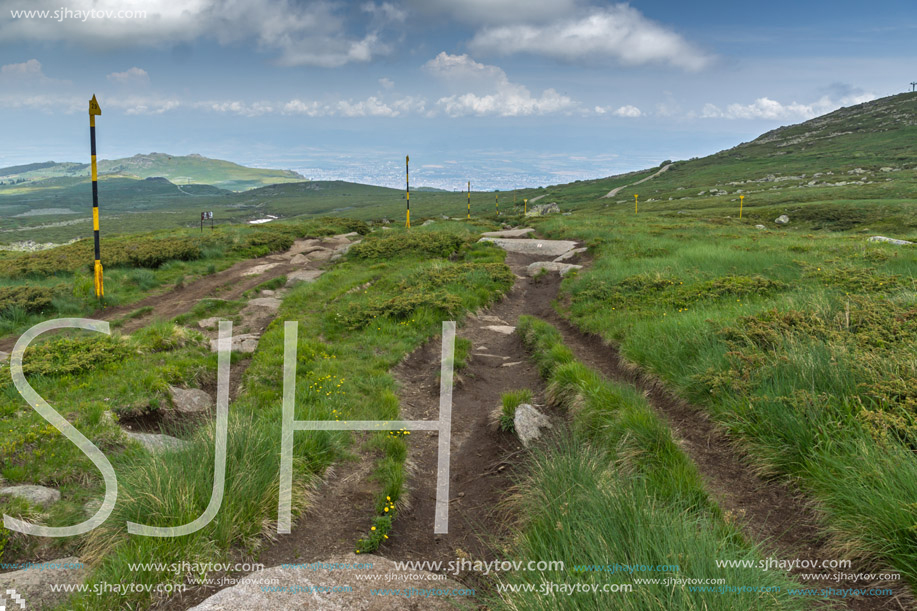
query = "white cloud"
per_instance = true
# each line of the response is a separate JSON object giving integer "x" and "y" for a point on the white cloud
{"x": 766, "y": 108}
{"x": 496, "y": 11}
{"x": 491, "y": 92}
{"x": 314, "y": 33}
{"x": 134, "y": 76}
{"x": 629, "y": 111}
{"x": 619, "y": 33}
{"x": 386, "y": 83}
{"x": 30, "y": 68}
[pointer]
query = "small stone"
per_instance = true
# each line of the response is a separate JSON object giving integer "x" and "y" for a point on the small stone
{"x": 760, "y": 227}
{"x": 562, "y": 268}
{"x": 782, "y": 219}
{"x": 881, "y": 238}
{"x": 34, "y": 495}
{"x": 209, "y": 323}
{"x": 528, "y": 423}
{"x": 190, "y": 400}
{"x": 157, "y": 443}
{"x": 504, "y": 329}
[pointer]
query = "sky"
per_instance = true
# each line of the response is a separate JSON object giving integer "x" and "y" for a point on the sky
{"x": 505, "y": 93}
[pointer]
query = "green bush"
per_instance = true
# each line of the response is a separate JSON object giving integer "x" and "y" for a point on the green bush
{"x": 428, "y": 243}
{"x": 32, "y": 299}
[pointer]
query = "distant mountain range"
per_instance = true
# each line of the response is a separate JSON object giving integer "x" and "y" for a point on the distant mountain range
{"x": 181, "y": 170}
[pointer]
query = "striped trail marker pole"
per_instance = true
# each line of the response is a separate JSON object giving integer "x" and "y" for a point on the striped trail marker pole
{"x": 407, "y": 190}
{"x": 497, "y": 202}
{"x": 94, "y": 110}
{"x": 525, "y": 206}
{"x": 635, "y": 202}
{"x": 741, "y": 201}
{"x": 469, "y": 200}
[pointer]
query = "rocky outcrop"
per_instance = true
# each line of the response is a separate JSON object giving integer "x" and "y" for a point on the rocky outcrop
{"x": 34, "y": 495}
{"x": 528, "y": 423}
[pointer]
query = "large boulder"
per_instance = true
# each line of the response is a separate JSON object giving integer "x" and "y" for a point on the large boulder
{"x": 34, "y": 495}
{"x": 541, "y": 248}
{"x": 528, "y": 423}
{"x": 323, "y": 585}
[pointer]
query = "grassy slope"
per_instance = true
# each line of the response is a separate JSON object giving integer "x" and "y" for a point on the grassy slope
{"x": 619, "y": 490}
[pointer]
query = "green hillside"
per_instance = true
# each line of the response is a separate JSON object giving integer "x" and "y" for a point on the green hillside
{"x": 190, "y": 169}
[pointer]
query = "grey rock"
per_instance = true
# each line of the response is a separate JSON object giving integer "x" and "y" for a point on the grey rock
{"x": 546, "y": 248}
{"x": 882, "y": 238}
{"x": 427, "y": 222}
{"x": 209, "y": 323}
{"x": 782, "y": 219}
{"x": 504, "y": 329}
{"x": 562, "y": 268}
{"x": 33, "y": 586}
{"x": 528, "y": 423}
{"x": 569, "y": 255}
{"x": 245, "y": 342}
{"x": 760, "y": 227}
{"x": 543, "y": 209}
{"x": 190, "y": 400}
{"x": 303, "y": 275}
{"x": 508, "y": 233}
{"x": 34, "y": 495}
{"x": 249, "y": 595}
{"x": 157, "y": 443}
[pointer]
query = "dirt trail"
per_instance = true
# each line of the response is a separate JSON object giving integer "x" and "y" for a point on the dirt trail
{"x": 617, "y": 190}
{"x": 228, "y": 284}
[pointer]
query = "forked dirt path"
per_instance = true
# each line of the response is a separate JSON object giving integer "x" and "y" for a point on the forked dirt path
{"x": 484, "y": 459}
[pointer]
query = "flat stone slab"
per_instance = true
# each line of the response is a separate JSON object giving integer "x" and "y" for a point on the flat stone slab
{"x": 33, "y": 585}
{"x": 35, "y": 495}
{"x": 546, "y": 248}
{"x": 300, "y": 587}
{"x": 260, "y": 269}
{"x": 190, "y": 400}
{"x": 303, "y": 275}
{"x": 562, "y": 268}
{"x": 569, "y": 255}
{"x": 508, "y": 233}
{"x": 493, "y": 319}
{"x": 245, "y": 342}
{"x": 157, "y": 442}
{"x": 882, "y": 238}
{"x": 504, "y": 329}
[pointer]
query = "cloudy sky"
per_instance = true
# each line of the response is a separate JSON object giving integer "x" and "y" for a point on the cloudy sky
{"x": 505, "y": 92}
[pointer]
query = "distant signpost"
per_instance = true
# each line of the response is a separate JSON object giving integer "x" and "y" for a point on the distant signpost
{"x": 206, "y": 216}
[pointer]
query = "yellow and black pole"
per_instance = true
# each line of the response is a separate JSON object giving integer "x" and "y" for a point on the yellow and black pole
{"x": 635, "y": 202}
{"x": 497, "y": 201}
{"x": 741, "y": 201}
{"x": 94, "y": 110}
{"x": 407, "y": 190}
{"x": 525, "y": 206}
{"x": 469, "y": 200}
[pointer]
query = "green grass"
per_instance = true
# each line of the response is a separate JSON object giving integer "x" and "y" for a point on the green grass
{"x": 509, "y": 401}
{"x": 616, "y": 489}
{"x": 800, "y": 344}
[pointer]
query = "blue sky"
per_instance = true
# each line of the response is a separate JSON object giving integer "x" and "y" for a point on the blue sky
{"x": 504, "y": 92}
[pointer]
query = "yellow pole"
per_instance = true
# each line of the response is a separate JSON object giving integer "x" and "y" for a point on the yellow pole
{"x": 497, "y": 202}
{"x": 525, "y": 206}
{"x": 407, "y": 190}
{"x": 635, "y": 202}
{"x": 469, "y": 200}
{"x": 741, "y": 201}
{"x": 94, "y": 110}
